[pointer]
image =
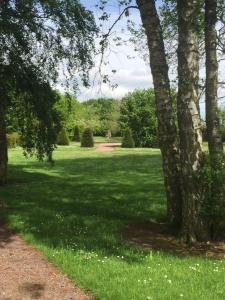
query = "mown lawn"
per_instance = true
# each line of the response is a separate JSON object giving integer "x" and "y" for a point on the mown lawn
{"x": 74, "y": 212}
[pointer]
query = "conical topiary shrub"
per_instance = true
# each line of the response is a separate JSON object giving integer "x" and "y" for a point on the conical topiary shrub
{"x": 127, "y": 141}
{"x": 63, "y": 138}
{"x": 87, "y": 138}
{"x": 76, "y": 134}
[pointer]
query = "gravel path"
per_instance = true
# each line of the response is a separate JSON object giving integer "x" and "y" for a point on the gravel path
{"x": 106, "y": 147}
{"x": 26, "y": 274}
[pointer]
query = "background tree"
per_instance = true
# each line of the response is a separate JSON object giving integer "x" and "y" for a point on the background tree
{"x": 222, "y": 122}
{"x": 62, "y": 138}
{"x": 194, "y": 227}
{"x": 107, "y": 111}
{"x": 168, "y": 140}
{"x": 68, "y": 109}
{"x": 127, "y": 141}
{"x": 212, "y": 114}
{"x": 87, "y": 138}
{"x": 76, "y": 134}
{"x": 36, "y": 40}
{"x": 138, "y": 113}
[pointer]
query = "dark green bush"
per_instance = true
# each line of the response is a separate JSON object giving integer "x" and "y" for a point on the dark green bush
{"x": 137, "y": 112}
{"x": 63, "y": 138}
{"x": 223, "y": 134}
{"x": 212, "y": 182}
{"x": 87, "y": 138}
{"x": 127, "y": 141}
{"x": 13, "y": 140}
{"x": 76, "y": 134}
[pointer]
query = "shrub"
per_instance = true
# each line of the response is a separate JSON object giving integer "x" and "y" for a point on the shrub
{"x": 127, "y": 141}
{"x": 223, "y": 133}
{"x": 76, "y": 134}
{"x": 13, "y": 140}
{"x": 138, "y": 113}
{"x": 212, "y": 182}
{"x": 87, "y": 138}
{"x": 63, "y": 138}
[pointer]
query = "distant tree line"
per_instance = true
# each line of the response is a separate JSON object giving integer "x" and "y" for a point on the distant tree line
{"x": 135, "y": 111}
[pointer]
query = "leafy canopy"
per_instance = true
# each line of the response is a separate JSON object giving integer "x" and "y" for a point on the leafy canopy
{"x": 138, "y": 114}
{"x": 40, "y": 41}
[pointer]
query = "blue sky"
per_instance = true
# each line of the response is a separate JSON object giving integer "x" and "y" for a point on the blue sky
{"x": 130, "y": 73}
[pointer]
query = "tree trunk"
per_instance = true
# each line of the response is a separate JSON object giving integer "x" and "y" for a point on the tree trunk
{"x": 193, "y": 225}
{"x": 164, "y": 108}
{"x": 212, "y": 119}
{"x": 3, "y": 144}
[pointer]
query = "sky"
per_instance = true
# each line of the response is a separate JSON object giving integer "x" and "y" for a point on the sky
{"x": 130, "y": 74}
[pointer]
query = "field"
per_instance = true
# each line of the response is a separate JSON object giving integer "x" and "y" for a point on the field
{"x": 74, "y": 212}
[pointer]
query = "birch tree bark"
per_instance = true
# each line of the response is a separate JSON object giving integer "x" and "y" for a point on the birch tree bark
{"x": 193, "y": 224}
{"x": 164, "y": 107}
{"x": 212, "y": 120}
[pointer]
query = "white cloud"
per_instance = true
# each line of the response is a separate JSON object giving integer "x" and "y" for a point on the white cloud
{"x": 127, "y": 80}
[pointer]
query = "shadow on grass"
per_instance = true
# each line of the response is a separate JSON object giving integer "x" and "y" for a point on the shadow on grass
{"x": 82, "y": 203}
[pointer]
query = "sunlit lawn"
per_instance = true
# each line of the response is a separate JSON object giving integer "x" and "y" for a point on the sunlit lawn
{"x": 74, "y": 212}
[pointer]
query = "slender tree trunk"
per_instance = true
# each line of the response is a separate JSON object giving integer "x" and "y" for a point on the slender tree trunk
{"x": 194, "y": 227}
{"x": 212, "y": 119}
{"x": 3, "y": 144}
{"x": 164, "y": 107}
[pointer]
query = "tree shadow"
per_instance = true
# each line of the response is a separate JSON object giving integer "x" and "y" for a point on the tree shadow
{"x": 32, "y": 290}
{"x": 83, "y": 203}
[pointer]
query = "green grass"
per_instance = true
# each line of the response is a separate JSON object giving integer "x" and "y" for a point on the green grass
{"x": 74, "y": 212}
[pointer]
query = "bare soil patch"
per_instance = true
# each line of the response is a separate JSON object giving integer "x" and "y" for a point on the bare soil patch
{"x": 26, "y": 274}
{"x": 158, "y": 236}
{"x": 105, "y": 147}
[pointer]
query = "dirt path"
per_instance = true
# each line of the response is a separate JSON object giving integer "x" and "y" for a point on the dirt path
{"x": 26, "y": 274}
{"x": 106, "y": 147}
{"x": 158, "y": 236}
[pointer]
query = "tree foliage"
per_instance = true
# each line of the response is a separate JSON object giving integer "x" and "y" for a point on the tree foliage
{"x": 127, "y": 141}
{"x": 138, "y": 113}
{"x": 39, "y": 40}
{"x": 76, "y": 134}
{"x": 107, "y": 113}
{"x": 62, "y": 138}
{"x": 87, "y": 138}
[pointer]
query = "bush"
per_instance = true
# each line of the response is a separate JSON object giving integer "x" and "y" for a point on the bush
{"x": 63, "y": 138}
{"x": 223, "y": 133}
{"x": 76, "y": 134}
{"x": 13, "y": 140}
{"x": 138, "y": 113}
{"x": 87, "y": 138}
{"x": 127, "y": 141}
{"x": 212, "y": 182}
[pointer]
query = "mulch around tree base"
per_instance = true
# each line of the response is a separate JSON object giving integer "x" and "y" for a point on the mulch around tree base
{"x": 26, "y": 274}
{"x": 157, "y": 236}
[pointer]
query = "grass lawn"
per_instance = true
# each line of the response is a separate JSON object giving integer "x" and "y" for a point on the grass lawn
{"x": 74, "y": 212}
